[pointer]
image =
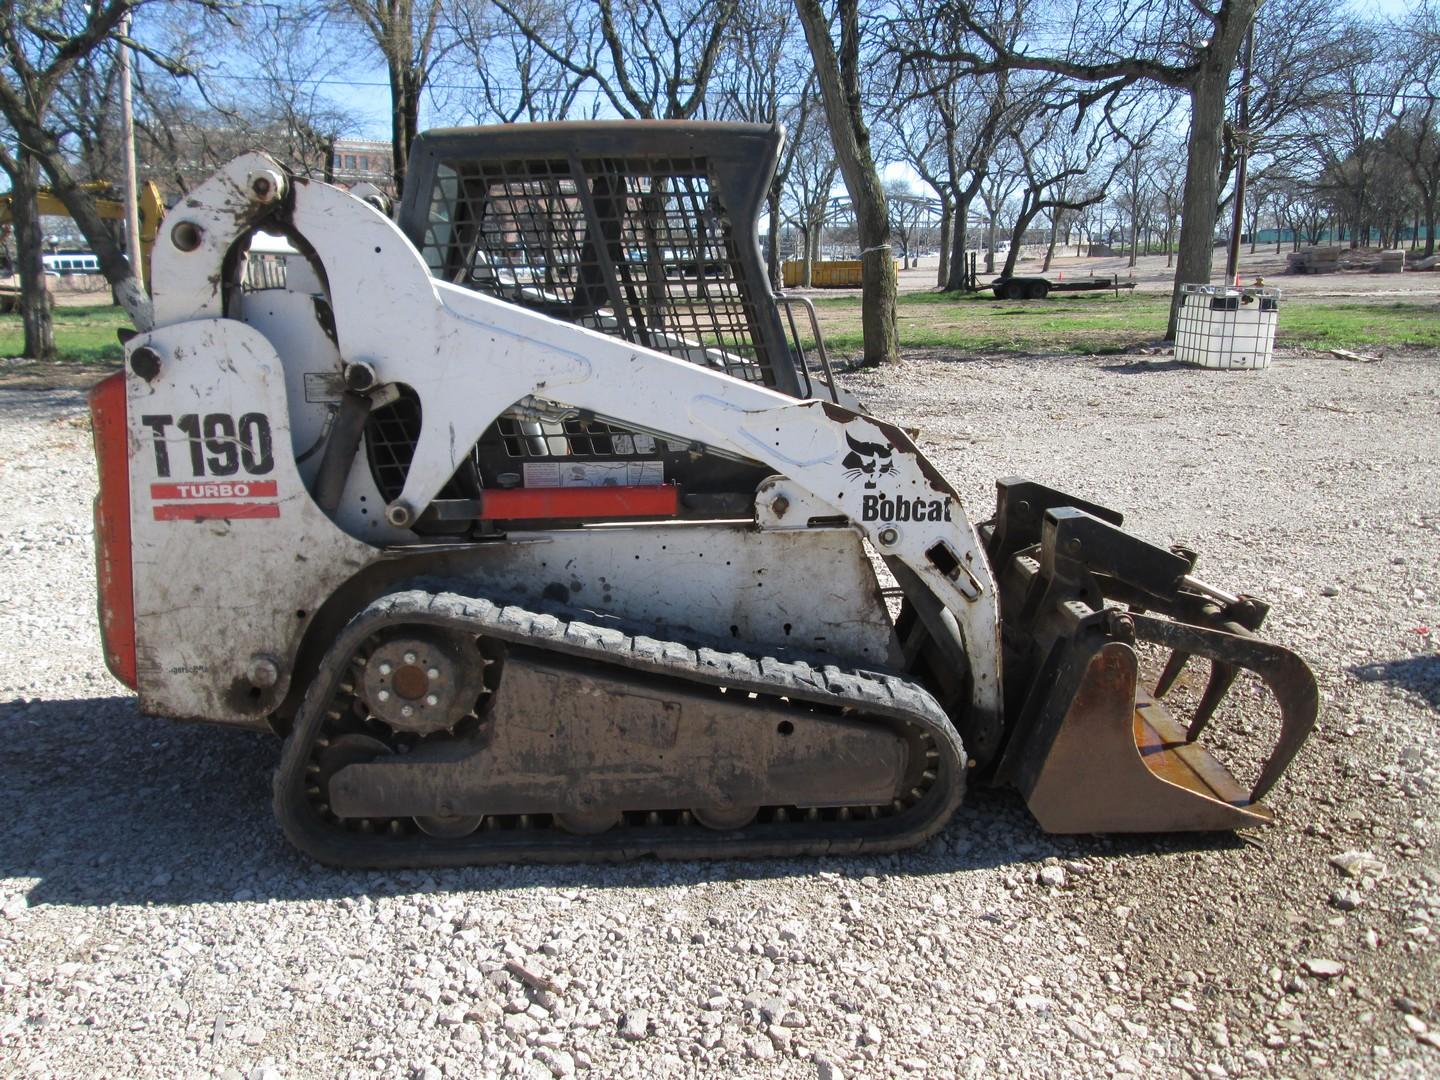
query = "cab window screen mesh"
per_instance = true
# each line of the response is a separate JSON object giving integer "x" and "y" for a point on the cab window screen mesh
{"x": 641, "y": 249}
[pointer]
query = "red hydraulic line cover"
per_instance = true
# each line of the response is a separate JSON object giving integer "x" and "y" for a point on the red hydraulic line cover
{"x": 519, "y": 504}
{"x": 112, "y": 528}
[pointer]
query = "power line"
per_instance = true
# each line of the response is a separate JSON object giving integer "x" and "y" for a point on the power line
{"x": 354, "y": 84}
{"x": 360, "y": 84}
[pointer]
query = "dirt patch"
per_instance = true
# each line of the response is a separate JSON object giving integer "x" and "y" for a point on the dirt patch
{"x": 18, "y": 374}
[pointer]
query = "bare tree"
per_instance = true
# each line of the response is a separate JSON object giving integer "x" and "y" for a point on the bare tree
{"x": 407, "y": 36}
{"x": 1302, "y": 49}
{"x": 41, "y": 51}
{"x": 516, "y": 79}
{"x": 1133, "y": 195}
{"x": 1186, "y": 45}
{"x": 908, "y": 212}
{"x": 806, "y": 196}
{"x": 974, "y": 111}
{"x": 768, "y": 80}
{"x": 1166, "y": 180}
{"x": 86, "y": 113}
{"x": 1000, "y": 182}
{"x": 287, "y": 109}
{"x": 1061, "y": 156}
{"x": 920, "y": 140}
{"x": 22, "y": 169}
{"x": 1136, "y": 192}
{"x": 651, "y": 59}
{"x": 1346, "y": 137}
{"x": 1414, "y": 139}
{"x": 838, "y": 72}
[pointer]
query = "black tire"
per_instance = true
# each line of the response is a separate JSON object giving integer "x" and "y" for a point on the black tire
{"x": 1036, "y": 290}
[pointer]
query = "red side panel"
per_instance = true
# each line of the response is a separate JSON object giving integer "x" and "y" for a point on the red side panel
{"x": 522, "y": 504}
{"x": 112, "y": 528}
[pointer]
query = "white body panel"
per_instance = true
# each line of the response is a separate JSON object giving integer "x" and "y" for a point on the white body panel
{"x": 213, "y": 594}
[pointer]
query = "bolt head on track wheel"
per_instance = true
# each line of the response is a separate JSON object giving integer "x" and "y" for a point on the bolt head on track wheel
{"x": 724, "y": 818}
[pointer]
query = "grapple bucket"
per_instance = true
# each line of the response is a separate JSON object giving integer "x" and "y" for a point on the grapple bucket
{"x": 1090, "y": 749}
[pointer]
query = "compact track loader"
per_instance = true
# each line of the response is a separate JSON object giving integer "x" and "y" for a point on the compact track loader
{"x": 529, "y": 523}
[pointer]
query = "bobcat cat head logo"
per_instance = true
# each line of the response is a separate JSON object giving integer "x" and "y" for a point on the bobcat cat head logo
{"x": 868, "y": 460}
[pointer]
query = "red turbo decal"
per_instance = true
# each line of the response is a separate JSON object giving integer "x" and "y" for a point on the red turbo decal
{"x": 215, "y": 489}
{"x": 210, "y": 500}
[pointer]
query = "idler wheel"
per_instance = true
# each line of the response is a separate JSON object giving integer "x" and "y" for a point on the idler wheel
{"x": 589, "y": 822}
{"x": 724, "y": 818}
{"x": 448, "y": 826}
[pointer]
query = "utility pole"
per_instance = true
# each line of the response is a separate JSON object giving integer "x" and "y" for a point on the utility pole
{"x": 133, "y": 246}
{"x": 1242, "y": 135}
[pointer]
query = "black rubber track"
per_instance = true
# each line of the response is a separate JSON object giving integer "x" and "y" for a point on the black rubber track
{"x": 884, "y": 698}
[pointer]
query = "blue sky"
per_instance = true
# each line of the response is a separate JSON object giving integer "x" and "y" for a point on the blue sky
{"x": 368, "y": 96}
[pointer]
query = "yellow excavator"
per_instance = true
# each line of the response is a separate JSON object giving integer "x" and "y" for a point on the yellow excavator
{"x": 152, "y": 209}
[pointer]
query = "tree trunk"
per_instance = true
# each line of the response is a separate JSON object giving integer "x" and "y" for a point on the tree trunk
{"x": 839, "y": 78}
{"x": 947, "y": 221}
{"x": 1134, "y": 237}
{"x": 1202, "y": 176}
{"x": 405, "y": 87}
{"x": 29, "y": 249}
{"x": 1050, "y": 248}
{"x": 959, "y": 278}
{"x": 956, "y": 278}
{"x": 129, "y": 294}
{"x": 1021, "y": 224}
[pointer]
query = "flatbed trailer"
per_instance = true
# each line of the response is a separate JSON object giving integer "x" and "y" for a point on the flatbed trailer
{"x": 1037, "y": 288}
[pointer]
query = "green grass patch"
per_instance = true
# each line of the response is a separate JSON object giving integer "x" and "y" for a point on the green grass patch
{"x": 83, "y": 335}
{"x": 1330, "y": 324}
{"x": 1089, "y": 324}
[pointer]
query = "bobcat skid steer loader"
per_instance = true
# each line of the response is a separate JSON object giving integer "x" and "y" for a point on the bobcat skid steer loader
{"x": 530, "y": 525}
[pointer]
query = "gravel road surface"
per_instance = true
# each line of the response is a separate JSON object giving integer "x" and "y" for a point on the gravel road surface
{"x": 154, "y": 923}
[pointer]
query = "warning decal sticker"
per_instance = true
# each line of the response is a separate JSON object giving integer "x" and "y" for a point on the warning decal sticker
{"x": 593, "y": 474}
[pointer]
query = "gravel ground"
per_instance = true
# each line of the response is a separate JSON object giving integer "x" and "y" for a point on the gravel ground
{"x": 153, "y": 922}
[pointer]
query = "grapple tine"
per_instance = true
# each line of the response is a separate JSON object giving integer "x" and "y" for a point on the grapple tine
{"x": 1281, "y": 670}
{"x": 1173, "y": 666}
{"x": 1222, "y": 676}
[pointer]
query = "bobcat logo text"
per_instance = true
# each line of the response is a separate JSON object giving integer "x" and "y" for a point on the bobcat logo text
{"x": 883, "y": 508}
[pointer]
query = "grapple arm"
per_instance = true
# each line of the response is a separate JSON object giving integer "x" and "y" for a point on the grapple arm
{"x": 1090, "y": 749}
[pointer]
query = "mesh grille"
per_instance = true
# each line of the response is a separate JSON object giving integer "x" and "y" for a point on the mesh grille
{"x": 574, "y": 438}
{"x": 391, "y": 433}
{"x": 390, "y": 436}
{"x": 640, "y": 249}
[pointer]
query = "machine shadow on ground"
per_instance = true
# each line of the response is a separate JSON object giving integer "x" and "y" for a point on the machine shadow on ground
{"x": 1418, "y": 674}
{"x": 104, "y": 806}
{"x": 1146, "y": 366}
